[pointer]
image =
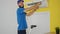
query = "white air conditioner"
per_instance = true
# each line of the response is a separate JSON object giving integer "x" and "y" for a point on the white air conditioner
{"x": 43, "y": 5}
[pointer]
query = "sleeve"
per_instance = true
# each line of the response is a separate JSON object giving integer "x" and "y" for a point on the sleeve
{"x": 25, "y": 12}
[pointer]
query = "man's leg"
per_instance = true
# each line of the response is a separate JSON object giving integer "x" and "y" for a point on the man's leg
{"x": 21, "y": 31}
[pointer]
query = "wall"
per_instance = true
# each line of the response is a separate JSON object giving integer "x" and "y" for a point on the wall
{"x": 8, "y": 23}
{"x": 54, "y": 13}
{"x": 41, "y": 20}
{"x": 54, "y": 8}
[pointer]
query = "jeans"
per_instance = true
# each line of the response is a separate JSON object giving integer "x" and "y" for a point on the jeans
{"x": 21, "y": 31}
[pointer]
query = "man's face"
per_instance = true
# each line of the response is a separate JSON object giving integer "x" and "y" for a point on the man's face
{"x": 21, "y": 3}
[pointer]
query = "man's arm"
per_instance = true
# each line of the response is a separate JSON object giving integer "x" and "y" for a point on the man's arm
{"x": 29, "y": 13}
{"x": 32, "y": 9}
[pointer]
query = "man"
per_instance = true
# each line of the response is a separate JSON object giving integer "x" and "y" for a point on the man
{"x": 21, "y": 15}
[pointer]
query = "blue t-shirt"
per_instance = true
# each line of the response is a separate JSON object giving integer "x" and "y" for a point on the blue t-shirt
{"x": 21, "y": 19}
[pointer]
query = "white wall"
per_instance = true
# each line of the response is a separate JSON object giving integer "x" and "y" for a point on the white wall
{"x": 8, "y": 22}
{"x": 42, "y": 20}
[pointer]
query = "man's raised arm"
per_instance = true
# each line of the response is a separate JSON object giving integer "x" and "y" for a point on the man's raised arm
{"x": 29, "y": 11}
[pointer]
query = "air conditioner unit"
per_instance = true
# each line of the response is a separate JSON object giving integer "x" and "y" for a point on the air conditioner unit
{"x": 44, "y": 3}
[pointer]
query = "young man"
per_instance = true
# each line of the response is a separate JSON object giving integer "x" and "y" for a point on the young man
{"x": 21, "y": 15}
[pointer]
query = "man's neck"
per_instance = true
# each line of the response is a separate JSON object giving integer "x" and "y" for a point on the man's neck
{"x": 21, "y": 6}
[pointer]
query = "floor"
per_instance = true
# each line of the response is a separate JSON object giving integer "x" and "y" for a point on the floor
{"x": 51, "y": 33}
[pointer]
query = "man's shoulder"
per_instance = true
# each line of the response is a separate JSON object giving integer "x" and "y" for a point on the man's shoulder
{"x": 18, "y": 9}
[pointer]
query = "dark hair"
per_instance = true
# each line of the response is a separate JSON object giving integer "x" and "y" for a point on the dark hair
{"x": 19, "y": 1}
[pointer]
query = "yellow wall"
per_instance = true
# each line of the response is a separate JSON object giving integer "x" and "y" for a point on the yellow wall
{"x": 54, "y": 14}
{"x": 54, "y": 7}
{"x": 59, "y": 11}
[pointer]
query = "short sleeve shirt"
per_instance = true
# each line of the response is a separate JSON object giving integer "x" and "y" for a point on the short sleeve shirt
{"x": 21, "y": 19}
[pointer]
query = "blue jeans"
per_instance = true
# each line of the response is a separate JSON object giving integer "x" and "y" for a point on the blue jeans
{"x": 21, "y": 31}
